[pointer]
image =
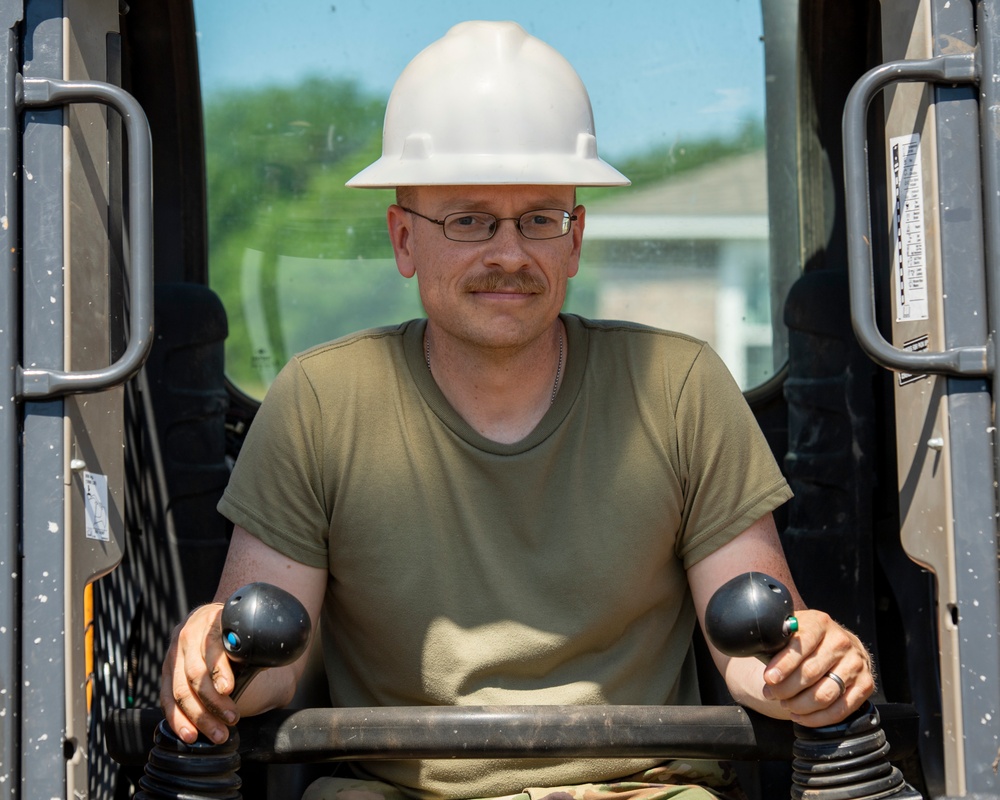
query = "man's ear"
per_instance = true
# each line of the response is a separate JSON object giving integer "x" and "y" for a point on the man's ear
{"x": 401, "y": 236}
{"x": 577, "y": 233}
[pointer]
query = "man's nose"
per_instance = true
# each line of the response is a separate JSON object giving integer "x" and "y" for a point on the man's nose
{"x": 507, "y": 245}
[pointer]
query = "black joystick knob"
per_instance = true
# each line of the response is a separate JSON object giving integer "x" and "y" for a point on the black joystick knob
{"x": 751, "y": 615}
{"x": 262, "y": 626}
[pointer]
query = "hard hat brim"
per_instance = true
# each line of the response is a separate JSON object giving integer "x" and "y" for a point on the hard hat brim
{"x": 467, "y": 170}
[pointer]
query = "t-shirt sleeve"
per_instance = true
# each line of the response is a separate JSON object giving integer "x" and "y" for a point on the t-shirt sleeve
{"x": 731, "y": 476}
{"x": 276, "y": 490}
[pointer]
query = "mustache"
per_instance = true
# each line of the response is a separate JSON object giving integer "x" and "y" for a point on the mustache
{"x": 519, "y": 282}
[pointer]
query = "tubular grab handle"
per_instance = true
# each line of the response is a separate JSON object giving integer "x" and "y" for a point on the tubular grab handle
{"x": 347, "y": 734}
{"x": 970, "y": 361}
{"x": 43, "y": 92}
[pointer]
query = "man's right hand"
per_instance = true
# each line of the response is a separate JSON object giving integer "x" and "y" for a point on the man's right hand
{"x": 197, "y": 678}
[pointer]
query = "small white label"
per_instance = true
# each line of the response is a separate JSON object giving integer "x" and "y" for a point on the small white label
{"x": 95, "y": 501}
{"x": 909, "y": 257}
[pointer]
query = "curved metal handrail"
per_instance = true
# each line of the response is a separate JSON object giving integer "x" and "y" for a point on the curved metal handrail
{"x": 36, "y": 383}
{"x": 970, "y": 361}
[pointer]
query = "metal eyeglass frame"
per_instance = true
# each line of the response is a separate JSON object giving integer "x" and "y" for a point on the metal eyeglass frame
{"x": 568, "y": 220}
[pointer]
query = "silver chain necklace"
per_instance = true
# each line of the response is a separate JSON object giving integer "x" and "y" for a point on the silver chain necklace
{"x": 555, "y": 383}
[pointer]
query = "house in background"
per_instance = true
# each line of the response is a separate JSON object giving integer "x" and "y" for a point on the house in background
{"x": 689, "y": 254}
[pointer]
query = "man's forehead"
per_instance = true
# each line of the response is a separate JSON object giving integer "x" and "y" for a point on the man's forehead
{"x": 517, "y": 195}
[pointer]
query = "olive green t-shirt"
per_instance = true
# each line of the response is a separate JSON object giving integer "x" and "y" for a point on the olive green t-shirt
{"x": 464, "y": 571}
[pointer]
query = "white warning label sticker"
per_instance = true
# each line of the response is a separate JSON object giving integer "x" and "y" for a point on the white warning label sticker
{"x": 95, "y": 503}
{"x": 909, "y": 257}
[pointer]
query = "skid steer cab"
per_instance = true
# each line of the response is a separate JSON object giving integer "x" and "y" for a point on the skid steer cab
{"x": 815, "y": 193}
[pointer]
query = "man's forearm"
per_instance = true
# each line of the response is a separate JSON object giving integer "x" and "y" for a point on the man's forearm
{"x": 272, "y": 688}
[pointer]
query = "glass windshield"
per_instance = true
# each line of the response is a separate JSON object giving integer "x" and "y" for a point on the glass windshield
{"x": 294, "y": 95}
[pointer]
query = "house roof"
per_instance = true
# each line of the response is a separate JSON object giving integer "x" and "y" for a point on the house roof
{"x": 735, "y": 186}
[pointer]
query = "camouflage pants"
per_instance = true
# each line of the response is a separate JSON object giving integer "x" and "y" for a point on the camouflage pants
{"x": 673, "y": 780}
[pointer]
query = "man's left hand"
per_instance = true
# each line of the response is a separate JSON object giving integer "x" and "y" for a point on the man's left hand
{"x": 803, "y": 677}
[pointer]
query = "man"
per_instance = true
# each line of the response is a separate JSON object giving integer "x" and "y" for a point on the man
{"x": 504, "y": 504}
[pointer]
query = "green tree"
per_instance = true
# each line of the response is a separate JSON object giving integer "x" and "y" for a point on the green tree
{"x": 277, "y": 159}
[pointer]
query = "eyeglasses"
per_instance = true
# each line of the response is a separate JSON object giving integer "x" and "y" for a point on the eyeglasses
{"x": 477, "y": 226}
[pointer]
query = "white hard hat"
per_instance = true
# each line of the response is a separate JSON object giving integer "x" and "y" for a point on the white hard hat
{"x": 488, "y": 104}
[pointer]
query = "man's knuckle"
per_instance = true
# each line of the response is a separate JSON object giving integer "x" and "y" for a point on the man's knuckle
{"x": 812, "y": 672}
{"x": 184, "y": 706}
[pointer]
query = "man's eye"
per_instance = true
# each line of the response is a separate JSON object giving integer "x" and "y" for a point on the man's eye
{"x": 542, "y": 219}
{"x": 470, "y": 220}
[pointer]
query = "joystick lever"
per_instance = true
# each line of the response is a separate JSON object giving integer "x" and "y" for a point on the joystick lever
{"x": 262, "y": 627}
{"x": 751, "y": 615}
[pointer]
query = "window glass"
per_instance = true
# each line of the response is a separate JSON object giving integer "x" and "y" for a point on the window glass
{"x": 294, "y": 94}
